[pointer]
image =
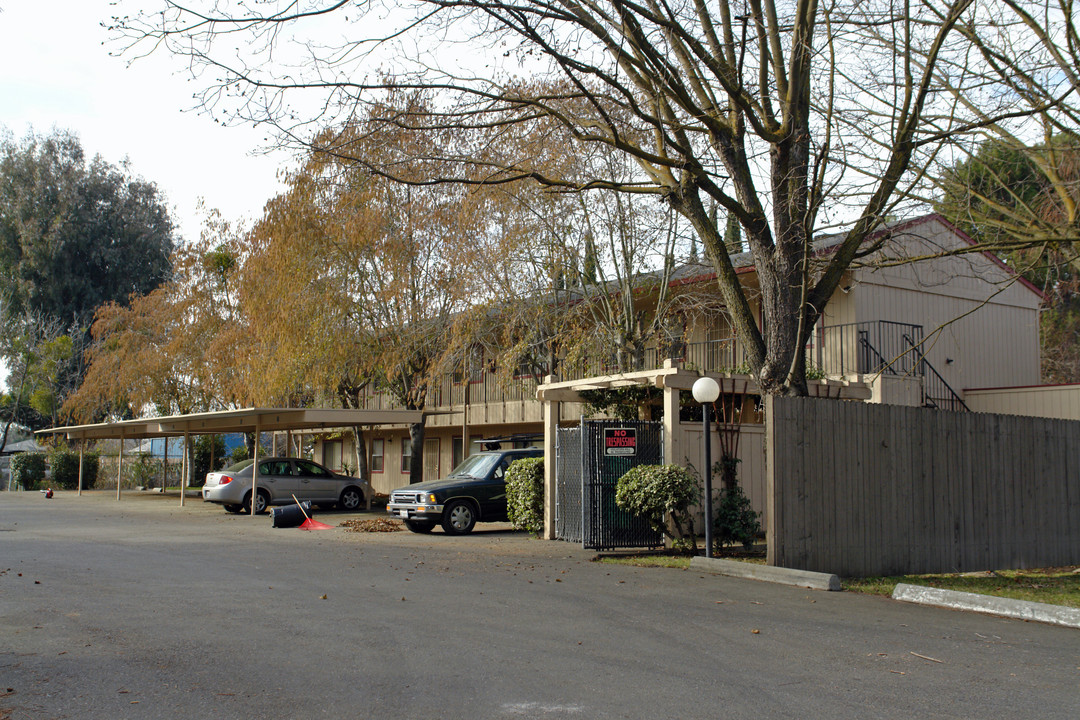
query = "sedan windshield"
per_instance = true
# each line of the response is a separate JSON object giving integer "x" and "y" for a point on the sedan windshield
{"x": 237, "y": 467}
{"x": 476, "y": 466}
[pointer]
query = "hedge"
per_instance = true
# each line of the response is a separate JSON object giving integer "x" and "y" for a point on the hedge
{"x": 28, "y": 469}
{"x": 525, "y": 494}
{"x": 65, "y": 469}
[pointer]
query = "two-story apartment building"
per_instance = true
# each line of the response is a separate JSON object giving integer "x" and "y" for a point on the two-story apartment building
{"x": 916, "y": 332}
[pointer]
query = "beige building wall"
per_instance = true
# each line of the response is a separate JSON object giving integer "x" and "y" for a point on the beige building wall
{"x": 980, "y": 323}
{"x": 1049, "y": 401}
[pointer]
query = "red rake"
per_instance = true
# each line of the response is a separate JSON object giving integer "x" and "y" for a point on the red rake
{"x": 308, "y": 523}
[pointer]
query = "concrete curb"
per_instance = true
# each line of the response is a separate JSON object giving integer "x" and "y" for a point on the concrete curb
{"x": 767, "y": 573}
{"x": 1005, "y": 607}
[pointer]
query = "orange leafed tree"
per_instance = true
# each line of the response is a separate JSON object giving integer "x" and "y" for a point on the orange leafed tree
{"x": 353, "y": 281}
{"x": 176, "y": 349}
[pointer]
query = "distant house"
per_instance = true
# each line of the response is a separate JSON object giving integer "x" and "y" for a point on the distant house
{"x": 22, "y": 446}
{"x": 922, "y": 333}
{"x": 157, "y": 448}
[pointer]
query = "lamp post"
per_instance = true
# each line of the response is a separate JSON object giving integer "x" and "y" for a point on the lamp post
{"x": 706, "y": 391}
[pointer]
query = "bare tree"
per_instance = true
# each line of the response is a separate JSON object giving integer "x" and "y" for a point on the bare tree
{"x": 791, "y": 118}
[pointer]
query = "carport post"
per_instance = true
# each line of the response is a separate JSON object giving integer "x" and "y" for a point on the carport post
{"x": 552, "y": 411}
{"x": 255, "y": 469}
{"x": 82, "y": 447}
{"x": 119, "y": 465}
{"x": 184, "y": 467}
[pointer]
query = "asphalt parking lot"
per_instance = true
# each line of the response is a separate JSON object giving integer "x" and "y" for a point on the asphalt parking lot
{"x": 143, "y": 609}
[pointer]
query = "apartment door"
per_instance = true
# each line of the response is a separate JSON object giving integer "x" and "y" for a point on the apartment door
{"x": 431, "y": 458}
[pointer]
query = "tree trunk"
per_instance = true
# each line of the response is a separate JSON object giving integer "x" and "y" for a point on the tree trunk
{"x": 360, "y": 448}
{"x": 15, "y": 397}
{"x": 416, "y": 464}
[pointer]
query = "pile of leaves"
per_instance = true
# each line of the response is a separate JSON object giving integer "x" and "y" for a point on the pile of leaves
{"x": 372, "y": 525}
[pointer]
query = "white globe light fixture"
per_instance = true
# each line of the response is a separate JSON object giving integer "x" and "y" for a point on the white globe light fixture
{"x": 706, "y": 391}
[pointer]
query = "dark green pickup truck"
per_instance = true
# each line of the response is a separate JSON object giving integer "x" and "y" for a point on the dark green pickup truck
{"x": 474, "y": 492}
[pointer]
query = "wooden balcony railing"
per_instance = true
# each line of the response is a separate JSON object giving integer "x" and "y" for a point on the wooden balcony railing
{"x": 836, "y": 350}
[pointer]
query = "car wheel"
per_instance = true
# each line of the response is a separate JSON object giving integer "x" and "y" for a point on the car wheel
{"x": 459, "y": 517}
{"x": 262, "y": 500}
{"x": 419, "y": 526}
{"x": 351, "y": 499}
{"x": 234, "y": 508}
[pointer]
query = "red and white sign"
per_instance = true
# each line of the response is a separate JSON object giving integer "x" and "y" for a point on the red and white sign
{"x": 620, "y": 441}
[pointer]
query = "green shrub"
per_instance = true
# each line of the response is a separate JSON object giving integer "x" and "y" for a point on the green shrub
{"x": 145, "y": 471}
{"x": 525, "y": 494}
{"x": 659, "y": 492}
{"x": 201, "y": 464}
{"x": 736, "y": 521}
{"x": 238, "y": 453}
{"x": 64, "y": 464}
{"x": 28, "y": 469}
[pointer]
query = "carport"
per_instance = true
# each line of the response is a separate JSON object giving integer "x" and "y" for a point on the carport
{"x": 249, "y": 420}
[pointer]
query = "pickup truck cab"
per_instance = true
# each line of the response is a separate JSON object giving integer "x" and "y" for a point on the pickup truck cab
{"x": 474, "y": 492}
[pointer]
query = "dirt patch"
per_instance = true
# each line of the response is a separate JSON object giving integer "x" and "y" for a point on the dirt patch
{"x": 372, "y": 525}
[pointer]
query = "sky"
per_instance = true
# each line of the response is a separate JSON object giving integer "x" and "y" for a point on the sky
{"x": 56, "y": 71}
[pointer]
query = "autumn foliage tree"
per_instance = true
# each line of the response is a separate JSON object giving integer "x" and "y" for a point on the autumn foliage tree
{"x": 354, "y": 281}
{"x": 178, "y": 349}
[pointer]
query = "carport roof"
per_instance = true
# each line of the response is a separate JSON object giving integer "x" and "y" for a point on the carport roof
{"x": 229, "y": 421}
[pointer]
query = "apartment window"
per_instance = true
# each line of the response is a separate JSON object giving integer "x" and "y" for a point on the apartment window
{"x": 377, "y": 452}
{"x": 406, "y": 454}
{"x": 476, "y": 446}
{"x": 455, "y": 451}
{"x": 332, "y": 454}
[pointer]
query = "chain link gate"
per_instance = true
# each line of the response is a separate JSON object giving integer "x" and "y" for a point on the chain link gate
{"x": 568, "y": 484}
{"x": 589, "y": 462}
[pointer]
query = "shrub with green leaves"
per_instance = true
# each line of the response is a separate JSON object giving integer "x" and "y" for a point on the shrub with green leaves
{"x": 64, "y": 464}
{"x": 659, "y": 492}
{"x": 205, "y": 446}
{"x": 143, "y": 470}
{"x": 736, "y": 520}
{"x": 525, "y": 494}
{"x": 28, "y": 469}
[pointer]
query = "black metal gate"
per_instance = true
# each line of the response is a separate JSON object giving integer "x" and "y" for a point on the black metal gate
{"x": 590, "y": 460}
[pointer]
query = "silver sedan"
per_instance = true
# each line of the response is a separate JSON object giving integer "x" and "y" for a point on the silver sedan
{"x": 280, "y": 478}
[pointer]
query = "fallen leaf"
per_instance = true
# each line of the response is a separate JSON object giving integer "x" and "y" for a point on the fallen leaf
{"x": 756, "y": 631}
{"x": 323, "y": 596}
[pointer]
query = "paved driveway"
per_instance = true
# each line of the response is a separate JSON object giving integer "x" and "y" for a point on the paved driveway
{"x": 142, "y": 609}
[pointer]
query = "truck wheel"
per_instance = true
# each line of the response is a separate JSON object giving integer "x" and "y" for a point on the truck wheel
{"x": 459, "y": 517}
{"x": 419, "y": 526}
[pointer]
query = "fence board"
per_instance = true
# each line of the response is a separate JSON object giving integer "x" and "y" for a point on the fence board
{"x": 861, "y": 489}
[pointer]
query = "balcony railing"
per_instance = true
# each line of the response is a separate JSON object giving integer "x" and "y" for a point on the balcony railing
{"x": 865, "y": 348}
{"x": 855, "y": 348}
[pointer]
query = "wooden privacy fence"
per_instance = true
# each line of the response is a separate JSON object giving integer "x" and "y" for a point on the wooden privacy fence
{"x": 860, "y": 489}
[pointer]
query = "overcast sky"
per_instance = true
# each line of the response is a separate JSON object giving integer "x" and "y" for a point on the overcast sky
{"x": 56, "y": 71}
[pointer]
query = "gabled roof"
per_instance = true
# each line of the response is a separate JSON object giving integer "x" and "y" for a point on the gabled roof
{"x": 824, "y": 244}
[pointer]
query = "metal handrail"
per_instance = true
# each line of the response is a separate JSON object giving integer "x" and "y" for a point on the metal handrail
{"x": 952, "y": 400}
